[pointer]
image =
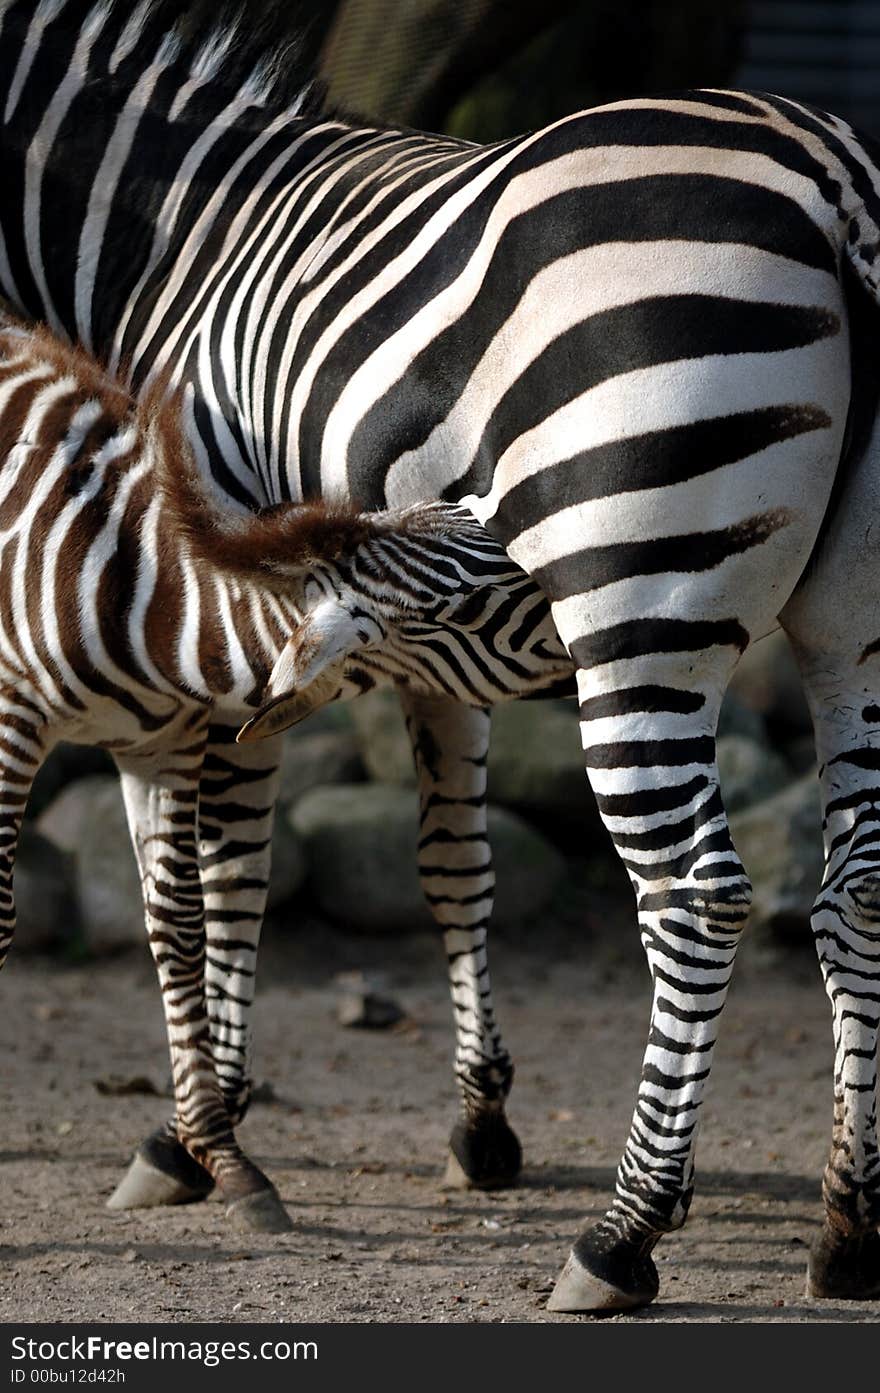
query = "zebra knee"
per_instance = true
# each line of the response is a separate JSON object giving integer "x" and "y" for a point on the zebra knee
{"x": 846, "y": 920}
{"x": 719, "y": 909}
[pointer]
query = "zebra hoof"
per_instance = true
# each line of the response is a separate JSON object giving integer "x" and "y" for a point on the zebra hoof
{"x": 483, "y": 1155}
{"x": 145, "y": 1186}
{"x": 260, "y": 1212}
{"x": 601, "y": 1277}
{"x": 844, "y": 1269}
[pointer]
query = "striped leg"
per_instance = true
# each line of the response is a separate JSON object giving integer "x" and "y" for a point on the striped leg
{"x": 650, "y": 753}
{"x": 22, "y": 751}
{"x": 450, "y": 743}
{"x": 833, "y": 624}
{"x": 236, "y": 812}
{"x": 845, "y": 1259}
{"x": 236, "y": 809}
{"x": 162, "y": 805}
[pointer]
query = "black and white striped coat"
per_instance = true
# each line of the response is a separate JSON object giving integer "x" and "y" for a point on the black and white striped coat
{"x": 638, "y": 344}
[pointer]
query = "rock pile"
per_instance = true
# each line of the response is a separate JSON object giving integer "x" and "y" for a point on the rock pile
{"x": 347, "y": 821}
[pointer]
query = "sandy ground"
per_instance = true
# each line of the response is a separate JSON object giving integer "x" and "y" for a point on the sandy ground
{"x": 355, "y": 1141}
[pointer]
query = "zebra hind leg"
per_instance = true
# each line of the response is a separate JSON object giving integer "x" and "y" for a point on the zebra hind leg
{"x": 450, "y": 744}
{"x": 844, "y": 1260}
{"x": 236, "y": 807}
{"x": 649, "y": 743}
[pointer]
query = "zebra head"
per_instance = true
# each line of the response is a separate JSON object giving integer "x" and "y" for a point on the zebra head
{"x": 427, "y": 600}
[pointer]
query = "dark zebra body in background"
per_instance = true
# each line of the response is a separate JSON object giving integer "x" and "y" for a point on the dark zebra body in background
{"x": 637, "y": 344}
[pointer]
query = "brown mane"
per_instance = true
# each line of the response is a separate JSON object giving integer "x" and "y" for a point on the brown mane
{"x": 273, "y": 544}
{"x": 270, "y": 546}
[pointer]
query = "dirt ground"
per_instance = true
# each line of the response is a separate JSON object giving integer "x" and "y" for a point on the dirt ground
{"x": 355, "y": 1141}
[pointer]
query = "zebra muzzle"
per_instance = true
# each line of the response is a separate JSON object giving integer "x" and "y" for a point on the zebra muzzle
{"x": 289, "y": 708}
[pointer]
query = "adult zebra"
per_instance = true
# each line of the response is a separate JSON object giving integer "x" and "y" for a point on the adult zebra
{"x": 625, "y": 341}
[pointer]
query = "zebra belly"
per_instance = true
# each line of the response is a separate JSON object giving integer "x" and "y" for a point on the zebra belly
{"x": 118, "y": 713}
{"x": 139, "y": 721}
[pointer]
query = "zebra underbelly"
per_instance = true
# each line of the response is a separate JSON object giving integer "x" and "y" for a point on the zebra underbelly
{"x": 132, "y": 719}
{"x": 111, "y": 710}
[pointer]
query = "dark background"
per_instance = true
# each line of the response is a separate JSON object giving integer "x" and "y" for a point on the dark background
{"x": 487, "y": 69}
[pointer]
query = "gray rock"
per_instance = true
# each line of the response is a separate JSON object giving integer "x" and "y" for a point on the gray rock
{"x": 310, "y": 760}
{"x": 64, "y": 765}
{"x": 800, "y": 754}
{"x": 536, "y": 762}
{"x": 780, "y": 842}
{"x": 749, "y": 772}
{"x": 536, "y": 765}
{"x": 361, "y": 848}
{"x": 45, "y": 894}
{"x": 333, "y": 719}
{"x": 87, "y": 820}
{"x": 289, "y": 866}
{"x": 737, "y": 718}
{"x": 767, "y": 681}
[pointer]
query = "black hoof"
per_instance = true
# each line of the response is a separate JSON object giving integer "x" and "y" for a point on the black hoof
{"x": 162, "y": 1173}
{"x": 605, "y": 1274}
{"x": 845, "y": 1269}
{"x": 484, "y": 1154}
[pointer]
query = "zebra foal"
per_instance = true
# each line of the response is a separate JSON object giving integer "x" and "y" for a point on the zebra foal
{"x": 122, "y": 626}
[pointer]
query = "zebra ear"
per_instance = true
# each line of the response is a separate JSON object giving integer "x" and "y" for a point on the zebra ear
{"x": 309, "y": 670}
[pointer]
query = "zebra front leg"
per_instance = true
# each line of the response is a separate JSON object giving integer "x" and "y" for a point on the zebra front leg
{"x": 845, "y": 1258}
{"x": 450, "y": 743}
{"x": 650, "y": 753}
{"x": 236, "y": 808}
{"x": 162, "y": 805}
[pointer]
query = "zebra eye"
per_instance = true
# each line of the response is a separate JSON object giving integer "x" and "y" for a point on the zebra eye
{"x": 463, "y": 610}
{"x": 370, "y": 630}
